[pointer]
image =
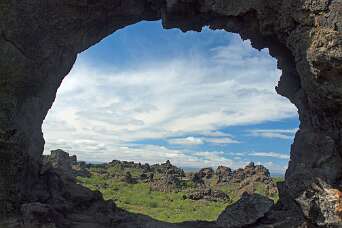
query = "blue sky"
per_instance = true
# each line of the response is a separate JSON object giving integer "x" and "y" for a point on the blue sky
{"x": 198, "y": 99}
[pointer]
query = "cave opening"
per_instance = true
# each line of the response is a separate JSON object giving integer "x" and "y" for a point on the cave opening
{"x": 198, "y": 100}
{"x": 40, "y": 42}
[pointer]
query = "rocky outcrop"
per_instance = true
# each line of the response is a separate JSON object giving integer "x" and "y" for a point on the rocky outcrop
{"x": 166, "y": 177}
{"x": 130, "y": 165}
{"x": 197, "y": 179}
{"x": 162, "y": 177}
{"x": 223, "y": 173}
{"x": 61, "y": 202}
{"x": 168, "y": 168}
{"x": 202, "y": 177}
{"x": 40, "y": 41}
{"x": 247, "y": 211}
{"x": 257, "y": 172}
{"x": 68, "y": 165}
{"x": 207, "y": 194}
{"x": 286, "y": 213}
{"x": 61, "y": 160}
{"x": 248, "y": 178}
{"x": 128, "y": 178}
{"x": 206, "y": 173}
{"x": 167, "y": 183}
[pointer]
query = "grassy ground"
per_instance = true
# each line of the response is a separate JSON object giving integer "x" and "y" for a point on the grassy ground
{"x": 169, "y": 207}
{"x": 138, "y": 198}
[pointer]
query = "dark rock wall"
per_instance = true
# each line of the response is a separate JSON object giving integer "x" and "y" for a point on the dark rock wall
{"x": 40, "y": 40}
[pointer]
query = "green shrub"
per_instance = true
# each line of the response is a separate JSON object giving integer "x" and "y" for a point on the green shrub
{"x": 152, "y": 204}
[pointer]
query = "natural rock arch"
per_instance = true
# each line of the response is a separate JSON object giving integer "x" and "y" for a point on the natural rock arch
{"x": 40, "y": 40}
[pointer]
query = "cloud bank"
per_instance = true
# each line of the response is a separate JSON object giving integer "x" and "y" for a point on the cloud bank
{"x": 274, "y": 133}
{"x": 100, "y": 113}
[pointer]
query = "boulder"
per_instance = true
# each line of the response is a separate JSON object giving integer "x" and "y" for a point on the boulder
{"x": 248, "y": 178}
{"x": 166, "y": 183}
{"x": 259, "y": 172}
{"x": 197, "y": 179}
{"x": 224, "y": 174}
{"x": 207, "y": 194}
{"x": 60, "y": 160}
{"x": 247, "y": 211}
{"x": 168, "y": 168}
{"x": 206, "y": 173}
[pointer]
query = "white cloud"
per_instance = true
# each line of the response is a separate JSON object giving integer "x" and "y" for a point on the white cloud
{"x": 214, "y": 159}
{"x": 216, "y": 134}
{"x": 274, "y": 133}
{"x": 186, "y": 141}
{"x": 222, "y": 140}
{"x": 103, "y": 108}
{"x": 201, "y": 140}
{"x": 270, "y": 154}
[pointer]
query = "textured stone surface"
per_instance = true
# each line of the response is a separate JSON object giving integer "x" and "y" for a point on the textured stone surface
{"x": 39, "y": 42}
{"x": 167, "y": 169}
{"x": 206, "y": 173}
{"x": 59, "y": 159}
{"x": 67, "y": 164}
{"x": 248, "y": 178}
{"x": 285, "y": 214}
{"x": 167, "y": 183}
{"x": 207, "y": 194}
{"x": 247, "y": 211}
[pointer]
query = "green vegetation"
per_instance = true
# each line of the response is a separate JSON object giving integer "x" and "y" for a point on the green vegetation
{"x": 164, "y": 206}
{"x": 278, "y": 179}
{"x": 138, "y": 198}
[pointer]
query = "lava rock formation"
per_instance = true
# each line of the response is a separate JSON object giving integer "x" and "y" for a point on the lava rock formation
{"x": 39, "y": 43}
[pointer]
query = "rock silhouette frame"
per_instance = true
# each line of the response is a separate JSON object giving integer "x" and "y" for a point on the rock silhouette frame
{"x": 40, "y": 40}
